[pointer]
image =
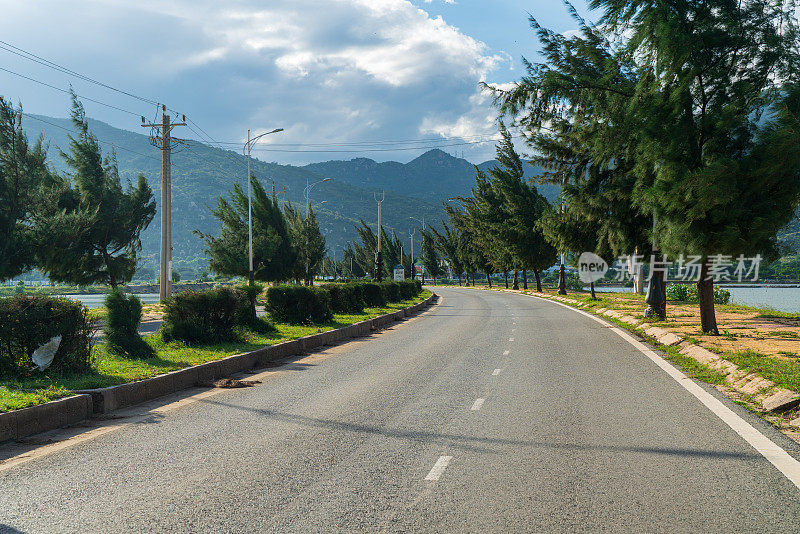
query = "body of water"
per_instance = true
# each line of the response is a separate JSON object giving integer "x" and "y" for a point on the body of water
{"x": 785, "y": 299}
{"x": 96, "y": 301}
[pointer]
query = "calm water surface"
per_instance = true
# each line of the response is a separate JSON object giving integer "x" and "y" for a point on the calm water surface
{"x": 786, "y": 299}
{"x": 96, "y": 301}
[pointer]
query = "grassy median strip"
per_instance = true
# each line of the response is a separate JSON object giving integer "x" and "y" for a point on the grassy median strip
{"x": 110, "y": 369}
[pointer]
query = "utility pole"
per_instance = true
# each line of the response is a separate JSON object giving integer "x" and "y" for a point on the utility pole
{"x": 378, "y": 256}
{"x": 163, "y": 139}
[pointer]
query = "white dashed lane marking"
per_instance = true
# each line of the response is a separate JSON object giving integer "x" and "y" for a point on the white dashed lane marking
{"x": 477, "y": 405}
{"x": 438, "y": 468}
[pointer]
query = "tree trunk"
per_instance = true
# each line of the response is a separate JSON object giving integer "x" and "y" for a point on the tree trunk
{"x": 705, "y": 295}
{"x": 538, "y": 280}
{"x": 505, "y": 274}
{"x": 488, "y": 280}
{"x": 524, "y": 278}
{"x": 515, "y": 287}
{"x": 459, "y": 279}
{"x": 591, "y": 286}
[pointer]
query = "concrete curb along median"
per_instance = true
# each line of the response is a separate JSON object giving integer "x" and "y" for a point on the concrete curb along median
{"x": 19, "y": 424}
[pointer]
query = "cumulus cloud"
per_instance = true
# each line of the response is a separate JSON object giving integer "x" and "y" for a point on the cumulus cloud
{"x": 333, "y": 71}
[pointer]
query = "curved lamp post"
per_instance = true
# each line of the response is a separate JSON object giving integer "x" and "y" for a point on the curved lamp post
{"x": 248, "y": 146}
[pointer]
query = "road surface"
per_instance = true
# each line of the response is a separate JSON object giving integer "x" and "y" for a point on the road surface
{"x": 490, "y": 413}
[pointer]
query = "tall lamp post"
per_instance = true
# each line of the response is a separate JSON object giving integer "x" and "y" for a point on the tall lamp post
{"x": 248, "y": 146}
{"x": 378, "y": 255}
{"x": 307, "y": 194}
{"x": 411, "y": 237}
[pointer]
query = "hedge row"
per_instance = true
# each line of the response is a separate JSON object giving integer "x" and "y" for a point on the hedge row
{"x": 303, "y": 305}
{"x": 29, "y": 321}
{"x": 210, "y": 316}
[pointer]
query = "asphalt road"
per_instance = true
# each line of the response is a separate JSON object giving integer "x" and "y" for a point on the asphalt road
{"x": 577, "y": 432}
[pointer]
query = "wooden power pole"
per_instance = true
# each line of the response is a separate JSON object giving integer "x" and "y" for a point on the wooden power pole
{"x": 163, "y": 139}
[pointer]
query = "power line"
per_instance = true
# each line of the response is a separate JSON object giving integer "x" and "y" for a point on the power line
{"x": 65, "y": 91}
{"x": 114, "y": 145}
{"x": 477, "y": 137}
{"x": 394, "y": 149}
{"x": 30, "y": 56}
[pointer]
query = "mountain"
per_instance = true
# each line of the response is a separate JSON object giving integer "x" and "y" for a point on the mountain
{"x": 435, "y": 175}
{"x": 200, "y": 174}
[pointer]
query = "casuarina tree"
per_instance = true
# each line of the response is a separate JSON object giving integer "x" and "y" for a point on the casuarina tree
{"x": 106, "y": 250}
{"x": 699, "y": 100}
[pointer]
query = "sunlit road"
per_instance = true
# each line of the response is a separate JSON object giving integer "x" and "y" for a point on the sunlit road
{"x": 490, "y": 413}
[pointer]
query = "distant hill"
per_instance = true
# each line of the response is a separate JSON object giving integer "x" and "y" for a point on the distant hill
{"x": 435, "y": 175}
{"x": 201, "y": 174}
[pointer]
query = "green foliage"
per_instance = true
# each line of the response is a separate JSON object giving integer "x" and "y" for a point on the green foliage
{"x": 695, "y": 123}
{"x": 688, "y": 293}
{"x": 122, "y": 325}
{"x": 391, "y": 291}
{"x": 308, "y": 243}
{"x": 28, "y": 322}
{"x": 346, "y": 298}
{"x": 23, "y": 175}
{"x": 103, "y": 243}
{"x": 273, "y": 255}
{"x": 374, "y": 296}
{"x": 203, "y": 316}
{"x": 430, "y": 256}
{"x": 295, "y": 304}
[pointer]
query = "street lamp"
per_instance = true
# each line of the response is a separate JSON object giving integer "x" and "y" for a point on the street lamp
{"x": 307, "y": 194}
{"x": 249, "y": 146}
{"x": 378, "y": 257}
{"x": 420, "y": 220}
{"x": 411, "y": 237}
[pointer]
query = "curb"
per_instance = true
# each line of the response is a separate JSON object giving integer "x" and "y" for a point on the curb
{"x": 771, "y": 397}
{"x": 18, "y": 424}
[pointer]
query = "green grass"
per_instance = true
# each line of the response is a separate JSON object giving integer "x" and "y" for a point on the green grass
{"x": 109, "y": 369}
{"x": 784, "y": 373}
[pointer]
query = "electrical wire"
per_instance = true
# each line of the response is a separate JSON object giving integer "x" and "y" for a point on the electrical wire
{"x": 65, "y": 91}
{"x": 114, "y": 145}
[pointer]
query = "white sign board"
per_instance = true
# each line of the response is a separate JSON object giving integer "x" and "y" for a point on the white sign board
{"x": 399, "y": 273}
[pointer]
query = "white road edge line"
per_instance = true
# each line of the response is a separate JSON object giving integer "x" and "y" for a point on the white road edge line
{"x": 506, "y": 352}
{"x": 778, "y": 457}
{"x": 438, "y": 468}
{"x": 496, "y": 372}
{"x": 477, "y": 405}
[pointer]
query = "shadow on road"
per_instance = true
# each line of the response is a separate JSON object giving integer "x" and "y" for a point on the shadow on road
{"x": 478, "y": 444}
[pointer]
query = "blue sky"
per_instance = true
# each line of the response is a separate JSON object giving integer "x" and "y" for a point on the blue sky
{"x": 341, "y": 76}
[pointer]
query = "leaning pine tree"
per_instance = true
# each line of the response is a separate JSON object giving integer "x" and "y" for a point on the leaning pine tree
{"x": 699, "y": 100}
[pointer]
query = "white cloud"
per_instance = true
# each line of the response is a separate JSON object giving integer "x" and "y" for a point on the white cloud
{"x": 339, "y": 70}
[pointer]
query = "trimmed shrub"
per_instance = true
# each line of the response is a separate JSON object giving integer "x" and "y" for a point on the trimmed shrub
{"x": 122, "y": 325}
{"x": 418, "y": 283}
{"x": 688, "y": 293}
{"x": 374, "y": 296}
{"x": 299, "y": 304}
{"x": 29, "y": 321}
{"x": 391, "y": 291}
{"x": 203, "y": 316}
{"x": 408, "y": 289}
{"x": 345, "y": 298}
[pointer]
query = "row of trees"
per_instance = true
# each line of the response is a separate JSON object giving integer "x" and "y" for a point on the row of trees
{"x": 671, "y": 126}
{"x": 81, "y": 227}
